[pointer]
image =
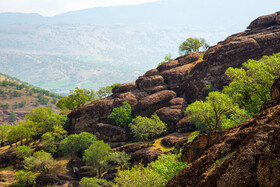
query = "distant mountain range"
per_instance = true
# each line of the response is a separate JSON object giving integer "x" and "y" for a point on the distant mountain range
{"x": 205, "y": 13}
{"x": 101, "y": 46}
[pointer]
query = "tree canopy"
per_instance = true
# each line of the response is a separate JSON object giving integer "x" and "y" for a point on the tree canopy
{"x": 122, "y": 115}
{"x": 192, "y": 45}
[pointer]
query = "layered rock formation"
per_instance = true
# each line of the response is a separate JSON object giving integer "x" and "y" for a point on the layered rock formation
{"x": 246, "y": 155}
{"x": 168, "y": 89}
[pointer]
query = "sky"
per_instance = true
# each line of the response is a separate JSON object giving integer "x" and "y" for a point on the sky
{"x": 54, "y": 7}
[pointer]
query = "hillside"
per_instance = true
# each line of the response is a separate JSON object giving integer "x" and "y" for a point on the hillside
{"x": 246, "y": 155}
{"x": 169, "y": 88}
{"x": 17, "y": 98}
{"x": 86, "y": 55}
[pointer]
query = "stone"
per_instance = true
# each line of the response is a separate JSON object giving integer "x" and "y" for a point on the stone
{"x": 263, "y": 21}
{"x": 170, "y": 116}
{"x": 189, "y": 58}
{"x": 170, "y": 141}
{"x": 122, "y": 88}
{"x": 148, "y": 105}
{"x": 129, "y": 97}
{"x": 146, "y": 155}
{"x": 110, "y": 133}
{"x": 185, "y": 126}
{"x": 151, "y": 72}
{"x": 145, "y": 83}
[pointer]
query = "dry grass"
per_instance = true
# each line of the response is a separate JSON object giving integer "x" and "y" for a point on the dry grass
{"x": 60, "y": 166}
{"x": 7, "y": 176}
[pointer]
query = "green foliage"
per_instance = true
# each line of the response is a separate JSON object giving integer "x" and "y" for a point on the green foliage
{"x": 193, "y": 135}
{"x": 144, "y": 128}
{"x": 13, "y": 117}
{"x": 25, "y": 178}
{"x": 76, "y": 143}
{"x": 250, "y": 86}
{"x": 94, "y": 182}
{"x": 48, "y": 142}
{"x": 23, "y": 151}
{"x": 40, "y": 162}
{"x": 4, "y": 132}
{"x": 22, "y": 104}
{"x": 139, "y": 176}
{"x": 117, "y": 159}
{"x": 167, "y": 58}
{"x": 192, "y": 44}
{"x": 167, "y": 166}
{"x": 96, "y": 154}
{"x": 18, "y": 133}
{"x": 77, "y": 98}
{"x": 45, "y": 119}
{"x": 217, "y": 107}
{"x": 43, "y": 100}
{"x": 122, "y": 115}
{"x": 106, "y": 91}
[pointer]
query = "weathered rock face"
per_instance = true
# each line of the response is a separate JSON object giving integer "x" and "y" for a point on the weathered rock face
{"x": 110, "y": 133}
{"x": 184, "y": 78}
{"x": 246, "y": 155}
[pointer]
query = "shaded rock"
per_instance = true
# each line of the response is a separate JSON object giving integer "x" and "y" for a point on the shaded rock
{"x": 185, "y": 126}
{"x": 151, "y": 103}
{"x": 168, "y": 65}
{"x": 122, "y": 88}
{"x": 189, "y": 58}
{"x": 65, "y": 177}
{"x": 170, "y": 115}
{"x": 174, "y": 77}
{"x": 145, "y": 83}
{"x": 170, "y": 141}
{"x": 275, "y": 89}
{"x": 177, "y": 101}
{"x": 7, "y": 158}
{"x": 156, "y": 89}
{"x": 129, "y": 97}
{"x": 145, "y": 155}
{"x": 129, "y": 148}
{"x": 263, "y": 21}
{"x": 151, "y": 72}
{"x": 116, "y": 144}
{"x": 110, "y": 133}
{"x": 202, "y": 142}
{"x": 50, "y": 179}
{"x": 84, "y": 118}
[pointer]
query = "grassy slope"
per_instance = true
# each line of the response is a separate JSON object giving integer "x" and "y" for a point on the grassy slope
{"x": 20, "y": 111}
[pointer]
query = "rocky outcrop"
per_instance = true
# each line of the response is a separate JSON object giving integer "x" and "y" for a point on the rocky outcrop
{"x": 110, "y": 133}
{"x": 246, "y": 155}
{"x": 184, "y": 79}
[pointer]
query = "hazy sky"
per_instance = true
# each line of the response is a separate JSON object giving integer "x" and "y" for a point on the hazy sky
{"x": 54, "y": 7}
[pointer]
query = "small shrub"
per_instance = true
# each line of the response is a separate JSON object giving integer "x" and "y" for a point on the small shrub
{"x": 122, "y": 115}
{"x": 25, "y": 178}
{"x": 94, "y": 182}
{"x": 23, "y": 151}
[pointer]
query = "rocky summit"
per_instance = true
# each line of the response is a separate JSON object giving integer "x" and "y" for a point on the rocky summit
{"x": 169, "y": 88}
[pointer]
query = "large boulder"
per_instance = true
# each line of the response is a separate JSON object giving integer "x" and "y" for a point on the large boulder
{"x": 145, "y": 83}
{"x": 110, "y": 133}
{"x": 145, "y": 155}
{"x": 148, "y": 105}
{"x": 86, "y": 117}
{"x": 264, "y": 21}
{"x": 184, "y": 125}
{"x": 122, "y": 88}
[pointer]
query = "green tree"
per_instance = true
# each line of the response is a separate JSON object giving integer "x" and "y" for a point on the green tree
{"x": 217, "y": 107}
{"x": 77, "y": 143}
{"x": 77, "y": 98}
{"x": 23, "y": 151}
{"x": 106, "y": 91}
{"x": 48, "y": 142}
{"x": 18, "y": 133}
{"x": 250, "y": 85}
{"x": 4, "y": 132}
{"x": 40, "y": 162}
{"x": 122, "y": 115}
{"x": 144, "y": 128}
{"x": 13, "y": 117}
{"x": 25, "y": 178}
{"x": 94, "y": 182}
{"x": 192, "y": 45}
{"x": 139, "y": 176}
{"x": 117, "y": 159}
{"x": 167, "y": 166}
{"x": 95, "y": 155}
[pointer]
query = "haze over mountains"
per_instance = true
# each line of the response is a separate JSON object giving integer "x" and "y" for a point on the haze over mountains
{"x": 100, "y": 46}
